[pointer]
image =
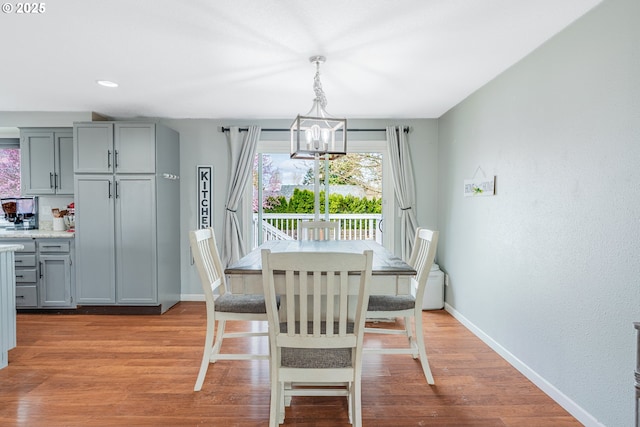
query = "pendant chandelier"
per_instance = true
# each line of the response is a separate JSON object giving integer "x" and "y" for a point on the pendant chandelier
{"x": 318, "y": 134}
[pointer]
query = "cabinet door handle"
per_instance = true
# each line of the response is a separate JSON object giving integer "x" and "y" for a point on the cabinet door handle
{"x": 116, "y": 158}
{"x": 51, "y": 246}
{"x": 109, "y": 189}
{"x": 20, "y": 296}
{"x": 41, "y": 269}
{"x": 50, "y": 180}
{"x": 55, "y": 180}
{"x": 18, "y": 260}
{"x": 19, "y": 275}
{"x": 117, "y": 192}
{"x": 108, "y": 158}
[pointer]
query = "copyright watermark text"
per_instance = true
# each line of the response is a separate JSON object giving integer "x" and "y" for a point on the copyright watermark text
{"x": 24, "y": 8}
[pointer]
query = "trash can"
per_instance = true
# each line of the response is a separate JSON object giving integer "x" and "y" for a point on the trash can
{"x": 434, "y": 294}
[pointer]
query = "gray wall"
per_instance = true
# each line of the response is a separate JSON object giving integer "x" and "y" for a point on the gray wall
{"x": 547, "y": 271}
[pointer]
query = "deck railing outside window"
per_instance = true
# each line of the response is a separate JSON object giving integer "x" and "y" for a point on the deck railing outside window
{"x": 285, "y": 226}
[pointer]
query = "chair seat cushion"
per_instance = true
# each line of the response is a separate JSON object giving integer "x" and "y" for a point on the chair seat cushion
{"x": 234, "y": 303}
{"x": 391, "y": 302}
{"x": 321, "y": 358}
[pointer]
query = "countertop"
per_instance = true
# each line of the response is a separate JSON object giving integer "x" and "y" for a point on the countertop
{"x": 10, "y": 248}
{"x": 36, "y": 234}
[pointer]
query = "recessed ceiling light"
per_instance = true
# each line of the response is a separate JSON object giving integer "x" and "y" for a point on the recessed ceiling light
{"x": 107, "y": 83}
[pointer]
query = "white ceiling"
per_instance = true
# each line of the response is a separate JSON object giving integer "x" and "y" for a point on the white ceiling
{"x": 249, "y": 58}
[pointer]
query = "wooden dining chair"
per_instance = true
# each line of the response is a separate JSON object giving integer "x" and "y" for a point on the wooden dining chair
{"x": 408, "y": 306}
{"x": 319, "y": 230}
{"x": 225, "y": 306}
{"x": 317, "y": 349}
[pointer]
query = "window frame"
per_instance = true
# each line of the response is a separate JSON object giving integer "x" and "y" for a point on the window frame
{"x": 388, "y": 192}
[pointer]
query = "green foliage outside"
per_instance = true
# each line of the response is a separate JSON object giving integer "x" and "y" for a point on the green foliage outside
{"x": 302, "y": 202}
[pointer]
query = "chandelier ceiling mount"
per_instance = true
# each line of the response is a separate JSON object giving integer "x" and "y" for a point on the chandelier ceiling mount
{"x": 317, "y": 133}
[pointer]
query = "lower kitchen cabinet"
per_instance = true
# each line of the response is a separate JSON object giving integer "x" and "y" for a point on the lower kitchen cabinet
{"x": 55, "y": 274}
{"x": 44, "y": 273}
{"x": 26, "y": 274}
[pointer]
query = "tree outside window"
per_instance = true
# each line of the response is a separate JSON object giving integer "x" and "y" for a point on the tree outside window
{"x": 9, "y": 172}
{"x": 287, "y": 188}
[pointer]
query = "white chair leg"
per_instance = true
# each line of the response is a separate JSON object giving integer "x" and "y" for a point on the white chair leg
{"x": 421, "y": 349}
{"x": 287, "y": 399}
{"x": 350, "y": 398}
{"x": 407, "y": 327}
{"x": 274, "y": 405}
{"x": 281, "y": 408}
{"x": 218, "y": 343}
{"x": 411, "y": 336}
{"x": 206, "y": 356}
{"x": 357, "y": 404}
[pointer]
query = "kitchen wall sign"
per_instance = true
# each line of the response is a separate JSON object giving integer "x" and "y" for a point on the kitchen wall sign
{"x": 205, "y": 185}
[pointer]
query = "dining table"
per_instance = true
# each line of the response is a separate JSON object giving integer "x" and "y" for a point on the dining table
{"x": 390, "y": 274}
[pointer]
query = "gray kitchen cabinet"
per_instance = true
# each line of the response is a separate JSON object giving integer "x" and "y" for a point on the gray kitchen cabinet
{"x": 55, "y": 278}
{"x": 136, "y": 256}
{"x": 46, "y": 157}
{"x": 127, "y": 226}
{"x": 121, "y": 147}
{"x": 95, "y": 152}
{"x": 44, "y": 273}
{"x": 26, "y": 263}
{"x": 135, "y": 147}
{"x": 116, "y": 226}
{"x": 95, "y": 239}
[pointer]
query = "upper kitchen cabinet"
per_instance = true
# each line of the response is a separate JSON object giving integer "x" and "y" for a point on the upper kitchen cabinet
{"x": 46, "y": 159}
{"x": 106, "y": 147}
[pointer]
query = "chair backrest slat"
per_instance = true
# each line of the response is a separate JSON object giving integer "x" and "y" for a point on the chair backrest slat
{"x": 207, "y": 260}
{"x": 291, "y": 307}
{"x": 344, "y": 305}
{"x": 317, "y": 303}
{"x": 422, "y": 257}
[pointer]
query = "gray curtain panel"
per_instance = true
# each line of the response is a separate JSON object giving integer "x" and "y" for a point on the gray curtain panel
{"x": 243, "y": 150}
{"x": 404, "y": 185}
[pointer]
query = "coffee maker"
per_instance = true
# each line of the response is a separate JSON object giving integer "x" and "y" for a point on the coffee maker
{"x": 21, "y": 212}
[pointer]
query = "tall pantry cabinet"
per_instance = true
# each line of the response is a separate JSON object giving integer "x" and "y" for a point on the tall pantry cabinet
{"x": 127, "y": 201}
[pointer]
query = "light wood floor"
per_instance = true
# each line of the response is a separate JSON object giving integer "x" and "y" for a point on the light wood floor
{"x": 128, "y": 370}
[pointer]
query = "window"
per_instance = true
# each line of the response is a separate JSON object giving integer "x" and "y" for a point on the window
{"x": 9, "y": 167}
{"x": 277, "y": 177}
{"x": 9, "y": 170}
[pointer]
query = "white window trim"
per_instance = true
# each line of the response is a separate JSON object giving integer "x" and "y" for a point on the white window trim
{"x": 388, "y": 195}
{"x": 9, "y": 142}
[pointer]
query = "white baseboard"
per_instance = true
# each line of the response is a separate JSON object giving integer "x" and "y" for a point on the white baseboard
{"x": 569, "y": 405}
{"x": 191, "y": 297}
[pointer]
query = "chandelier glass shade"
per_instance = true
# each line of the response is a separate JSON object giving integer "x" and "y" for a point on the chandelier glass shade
{"x": 317, "y": 133}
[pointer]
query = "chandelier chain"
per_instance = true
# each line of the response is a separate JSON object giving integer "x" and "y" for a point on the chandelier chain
{"x": 317, "y": 88}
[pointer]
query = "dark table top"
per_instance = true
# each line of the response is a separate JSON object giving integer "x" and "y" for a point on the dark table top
{"x": 384, "y": 262}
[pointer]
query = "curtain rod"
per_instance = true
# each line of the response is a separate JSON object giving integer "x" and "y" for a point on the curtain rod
{"x": 226, "y": 129}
